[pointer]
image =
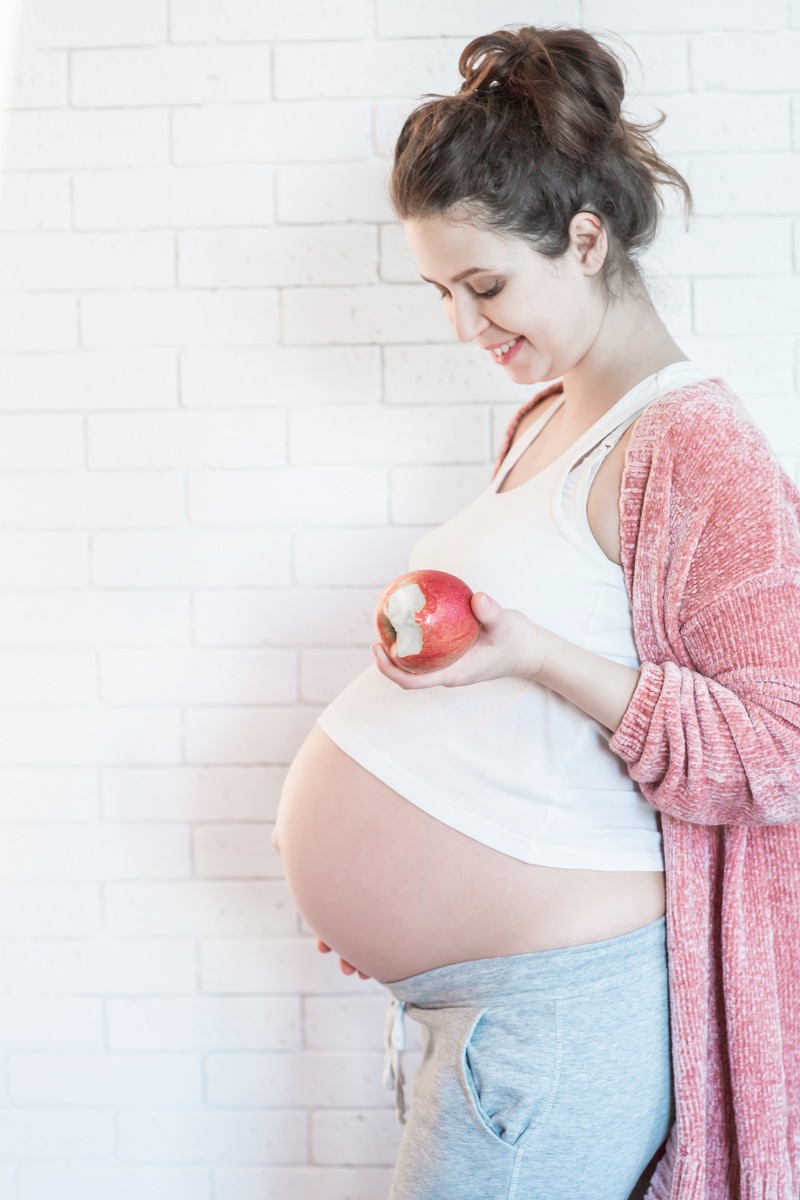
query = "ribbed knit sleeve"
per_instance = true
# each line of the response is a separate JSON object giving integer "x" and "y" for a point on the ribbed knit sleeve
{"x": 721, "y": 745}
{"x": 711, "y": 548}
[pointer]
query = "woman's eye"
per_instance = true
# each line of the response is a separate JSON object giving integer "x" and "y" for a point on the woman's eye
{"x": 492, "y": 291}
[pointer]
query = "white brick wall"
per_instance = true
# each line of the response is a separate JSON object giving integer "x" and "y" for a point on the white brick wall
{"x": 214, "y": 353}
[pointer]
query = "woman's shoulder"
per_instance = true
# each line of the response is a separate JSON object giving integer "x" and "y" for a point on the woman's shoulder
{"x": 529, "y": 412}
{"x": 700, "y": 431}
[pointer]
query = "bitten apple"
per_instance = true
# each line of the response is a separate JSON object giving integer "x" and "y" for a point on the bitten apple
{"x": 427, "y": 615}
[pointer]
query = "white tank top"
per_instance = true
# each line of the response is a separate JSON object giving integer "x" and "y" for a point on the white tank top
{"x": 509, "y": 762}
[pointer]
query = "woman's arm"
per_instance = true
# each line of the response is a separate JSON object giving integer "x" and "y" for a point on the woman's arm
{"x": 511, "y": 644}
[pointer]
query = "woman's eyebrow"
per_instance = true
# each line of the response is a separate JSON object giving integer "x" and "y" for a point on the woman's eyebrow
{"x": 462, "y": 275}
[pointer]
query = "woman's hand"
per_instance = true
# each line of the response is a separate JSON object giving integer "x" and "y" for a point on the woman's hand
{"x": 345, "y": 967}
{"x": 508, "y": 644}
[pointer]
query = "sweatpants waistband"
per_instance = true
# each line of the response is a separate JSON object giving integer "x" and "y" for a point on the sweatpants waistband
{"x": 567, "y": 971}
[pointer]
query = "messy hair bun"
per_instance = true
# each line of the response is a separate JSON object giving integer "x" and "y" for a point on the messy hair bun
{"x": 535, "y": 135}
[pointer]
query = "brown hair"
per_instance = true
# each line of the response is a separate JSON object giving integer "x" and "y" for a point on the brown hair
{"x": 534, "y": 136}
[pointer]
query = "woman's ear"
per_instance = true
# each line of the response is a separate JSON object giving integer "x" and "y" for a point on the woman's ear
{"x": 589, "y": 239}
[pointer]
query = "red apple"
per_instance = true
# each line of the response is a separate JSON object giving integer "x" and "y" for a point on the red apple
{"x": 427, "y": 615}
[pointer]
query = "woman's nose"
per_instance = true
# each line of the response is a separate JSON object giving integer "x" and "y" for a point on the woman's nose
{"x": 466, "y": 318}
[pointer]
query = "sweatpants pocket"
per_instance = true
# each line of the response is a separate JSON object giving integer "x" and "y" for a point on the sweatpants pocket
{"x": 509, "y": 1067}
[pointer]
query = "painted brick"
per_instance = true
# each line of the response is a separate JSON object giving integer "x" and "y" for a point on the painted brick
{"x": 379, "y": 68}
{"x": 352, "y": 557}
{"x": 748, "y": 306}
{"x": 49, "y": 911}
{"x": 722, "y": 246}
{"x": 779, "y": 420}
{"x": 34, "y": 795}
{"x": 240, "y": 851}
{"x": 34, "y": 1023}
{"x": 311, "y": 617}
{"x": 629, "y": 15}
{"x": 59, "y": 261}
{"x": 192, "y": 794}
{"x": 464, "y": 18}
{"x": 333, "y": 192}
{"x": 171, "y": 75}
{"x": 94, "y": 619}
{"x": 191, "y": 558}
{"x": 241, "y": 20}
{"x": 174, "y": 197}
{"x": 197, "y": 676}
{"x": 294, "y": 131}
{"x": 652, "y": 62}
{"x": 212, "y": 1137}
{"x": 69, "y": 138}
{"x": 89, "y": 736}
{"x": 222, "y": 736}
{"x": 746, "y": 62}
{"x": 397, "y": 263}
{"x": 304, "y": 1079}
{"x": 204, "y": 1023}
{"x": 717, "y": 123}
{"x": 187, "y": 439}
{"x": 83, "y": 380}
{"x": 389, "y": 116}
{"x": 54, "y": 1135}
{"x": 179, "y": 319}
{"x": 279, "y": 257}
{"x": 748, "y": 364}
{"x": 124, "y": 1181}
{"x": 101, "y": 966}
{"x": 217, "y": 908}
{"x": 353, "y": 1022}
{"x": 99, "y": 853}
{"x": 31, "y": 322}
{"x": 40, "y": 79}
{"x": 324, "y": 673}
{"x": 310, "y": 1183}
{"x": 431, "y": 495}
{"x": 760, "y": 185}
{"x": 38, "y": 677}
{"x": 451, "y": 374}
{"x": 364, "y": 314}
{"x": 276, "y": 966}
{"x": 72, "y": 500}
{"x": 44, "y": 560}
{"x": 39, "y": 443}
{"x": 390, "y": 435}
{"x": 222, "y": 378}
{"x": 95, "y": 1080}
{"x": 355, "y": 1137}
{"x": 35, "y": 201}
{"x": 288, "y": 497}
{"x": 92, "y": 23}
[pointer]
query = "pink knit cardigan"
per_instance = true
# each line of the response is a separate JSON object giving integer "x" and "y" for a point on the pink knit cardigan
{"x": 710, "y": 532}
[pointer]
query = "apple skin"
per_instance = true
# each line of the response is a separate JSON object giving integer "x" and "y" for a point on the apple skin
{"x": 439, "y": 623}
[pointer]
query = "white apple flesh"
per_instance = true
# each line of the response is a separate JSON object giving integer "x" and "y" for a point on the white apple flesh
{"x": 427, "y": 619}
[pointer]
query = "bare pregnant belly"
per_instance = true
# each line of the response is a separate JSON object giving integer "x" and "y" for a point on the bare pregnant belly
{"x": 396, "y": 892}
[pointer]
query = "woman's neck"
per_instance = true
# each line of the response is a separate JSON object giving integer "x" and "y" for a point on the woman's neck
{"x": 632, "y": 343}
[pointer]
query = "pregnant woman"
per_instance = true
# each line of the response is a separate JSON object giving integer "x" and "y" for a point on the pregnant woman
{"x": 573, "y": 856}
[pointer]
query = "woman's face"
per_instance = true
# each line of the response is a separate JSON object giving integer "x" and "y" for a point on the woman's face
{"x": 551, "y": 309}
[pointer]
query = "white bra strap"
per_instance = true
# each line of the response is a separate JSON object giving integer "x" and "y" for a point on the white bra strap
{"x": 521, "y": 444}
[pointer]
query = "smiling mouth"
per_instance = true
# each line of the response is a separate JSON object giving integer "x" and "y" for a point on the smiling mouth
{"x": 500, "y": 351}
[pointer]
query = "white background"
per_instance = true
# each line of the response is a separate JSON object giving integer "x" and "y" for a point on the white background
{"x": 228, "y": 407}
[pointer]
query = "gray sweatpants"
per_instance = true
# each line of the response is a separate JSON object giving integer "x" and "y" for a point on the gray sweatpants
{"x": 544, "y": 1076}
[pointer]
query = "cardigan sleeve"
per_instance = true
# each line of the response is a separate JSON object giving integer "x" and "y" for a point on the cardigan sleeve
{"x": 712, "y": 732}
{"x": 719, "y": 744}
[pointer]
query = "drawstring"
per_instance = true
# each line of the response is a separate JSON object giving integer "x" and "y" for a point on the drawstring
{"x": 395, "y": 1043}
